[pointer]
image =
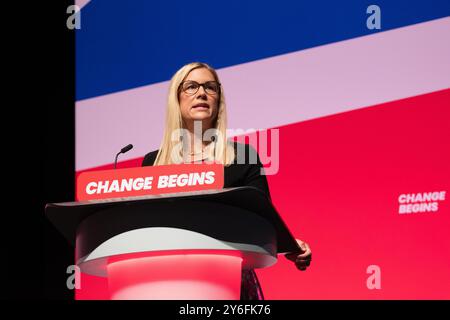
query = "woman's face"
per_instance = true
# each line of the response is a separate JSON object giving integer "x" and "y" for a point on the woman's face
{"x": 202, "y": 105}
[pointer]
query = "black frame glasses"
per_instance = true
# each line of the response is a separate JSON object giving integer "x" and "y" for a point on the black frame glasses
{"x": 183, "y": 87}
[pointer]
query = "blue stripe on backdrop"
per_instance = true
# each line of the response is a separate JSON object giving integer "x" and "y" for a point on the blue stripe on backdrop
{"x": 127, "y": 44}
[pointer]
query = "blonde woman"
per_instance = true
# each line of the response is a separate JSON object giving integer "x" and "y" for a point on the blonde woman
{"x": 195, "y": 131}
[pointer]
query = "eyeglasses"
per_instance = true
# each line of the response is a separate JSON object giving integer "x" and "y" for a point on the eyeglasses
{"x": 191, "y": 87}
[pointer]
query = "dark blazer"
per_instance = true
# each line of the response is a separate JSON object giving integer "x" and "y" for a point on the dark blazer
{"x": 236, "y": 174}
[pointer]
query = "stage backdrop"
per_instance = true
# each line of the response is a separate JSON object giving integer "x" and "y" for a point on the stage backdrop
{"x": 363, "y": 118}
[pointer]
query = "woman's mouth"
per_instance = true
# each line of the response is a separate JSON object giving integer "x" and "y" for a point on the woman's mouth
{"x": 201, "y": 106}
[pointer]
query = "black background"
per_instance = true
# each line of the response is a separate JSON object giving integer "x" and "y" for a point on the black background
{"x": 59, "y": 167}
{"x": 38, "y": 149}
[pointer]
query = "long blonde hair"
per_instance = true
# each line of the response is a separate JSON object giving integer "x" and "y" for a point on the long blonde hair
{"x": 223, "y": 150}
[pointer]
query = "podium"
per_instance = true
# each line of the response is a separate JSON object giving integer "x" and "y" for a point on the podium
{"x": 187, "y": 245}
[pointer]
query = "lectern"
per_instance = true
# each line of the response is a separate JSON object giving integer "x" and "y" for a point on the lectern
{"x": 188, "y": 245}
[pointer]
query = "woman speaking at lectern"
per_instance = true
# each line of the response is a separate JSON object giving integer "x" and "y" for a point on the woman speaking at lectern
{"x": 195, "y": 107}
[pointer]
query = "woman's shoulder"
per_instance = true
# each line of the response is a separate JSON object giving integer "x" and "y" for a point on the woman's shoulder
{"x": 150, "y": 158}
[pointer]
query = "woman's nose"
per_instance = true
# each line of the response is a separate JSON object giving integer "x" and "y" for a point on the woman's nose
{"x": 201, "y": 92}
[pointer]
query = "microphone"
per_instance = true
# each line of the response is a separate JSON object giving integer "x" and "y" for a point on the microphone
{"x": 123, "y": 150}
{"x": 214, "y": 140}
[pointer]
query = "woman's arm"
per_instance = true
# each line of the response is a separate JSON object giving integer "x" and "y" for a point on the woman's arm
{"x": 254, "y": 175}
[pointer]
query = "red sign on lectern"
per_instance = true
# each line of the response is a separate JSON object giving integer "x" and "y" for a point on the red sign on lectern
{"x": 141, "y": 181}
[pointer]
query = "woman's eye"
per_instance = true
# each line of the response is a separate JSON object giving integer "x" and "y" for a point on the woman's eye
{"x": 211, "y": 87}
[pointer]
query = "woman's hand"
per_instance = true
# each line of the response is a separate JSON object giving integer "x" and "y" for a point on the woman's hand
{"x": 302, "y": 260}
